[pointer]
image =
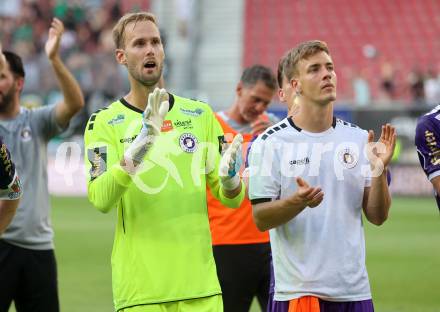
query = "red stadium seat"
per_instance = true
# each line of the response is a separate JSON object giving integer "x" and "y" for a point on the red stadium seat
{"x": 404, "y": 32}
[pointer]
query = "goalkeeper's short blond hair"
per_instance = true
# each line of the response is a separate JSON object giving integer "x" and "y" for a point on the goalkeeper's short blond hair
{"x": 119, "y": 29}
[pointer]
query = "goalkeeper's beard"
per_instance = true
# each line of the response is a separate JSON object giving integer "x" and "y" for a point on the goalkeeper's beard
{"x": 7, "y": 100}
{"x": 151, "y": 81}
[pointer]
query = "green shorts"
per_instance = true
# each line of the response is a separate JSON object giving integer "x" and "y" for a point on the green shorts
{"x": 208, "y": 304}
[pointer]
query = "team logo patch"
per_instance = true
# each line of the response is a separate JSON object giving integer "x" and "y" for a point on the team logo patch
{"x": 26, "y": 134}
{"x": 167, "y": 125}
{"x": 195, "y": 113}
{"x": 16, "y": 189}
{"x": 348, "y": 158}
{"x": 117, "y": 120}
{"x": 98, "y": 159}
{"x": 188, "y": 142}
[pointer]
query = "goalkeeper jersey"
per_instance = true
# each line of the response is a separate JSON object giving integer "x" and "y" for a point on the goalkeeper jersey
{"x": 162, "y": 248}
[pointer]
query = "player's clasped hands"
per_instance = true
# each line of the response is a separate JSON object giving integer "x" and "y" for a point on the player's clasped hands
{"x": 306, "y": 195}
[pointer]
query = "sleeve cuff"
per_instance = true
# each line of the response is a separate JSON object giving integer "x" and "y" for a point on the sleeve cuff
{"x": 233, "y": 202}
{"x": 434, "y": 174}
{"x": 121, "y": 176}
{"x": 58, "y": 128}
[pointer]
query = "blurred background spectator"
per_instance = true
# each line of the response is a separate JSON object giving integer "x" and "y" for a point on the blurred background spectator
{"x": 432, "y": 88}
{"x": 87, "y": 47}
{"x": 361, "y": 89}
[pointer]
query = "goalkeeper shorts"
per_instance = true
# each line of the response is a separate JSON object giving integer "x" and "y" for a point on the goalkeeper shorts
{"x": 207, "y": 304}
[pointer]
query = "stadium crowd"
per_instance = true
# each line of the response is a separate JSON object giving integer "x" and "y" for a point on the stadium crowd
{"x": 87, "y": 49}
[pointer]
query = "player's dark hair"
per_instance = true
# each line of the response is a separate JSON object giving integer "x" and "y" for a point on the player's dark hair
{"x": 252, "y": 75}
{"x": 15, "y": 63}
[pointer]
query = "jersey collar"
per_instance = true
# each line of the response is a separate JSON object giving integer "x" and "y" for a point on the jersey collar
{"x": 290, "y": 119}
{"x": 137, "y": 110}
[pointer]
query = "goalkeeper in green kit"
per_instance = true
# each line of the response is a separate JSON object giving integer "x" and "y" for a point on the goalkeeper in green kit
{"x": 151, "y": 154}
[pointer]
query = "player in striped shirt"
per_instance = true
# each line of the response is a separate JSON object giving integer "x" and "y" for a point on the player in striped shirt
{"x": 310, "y": 180}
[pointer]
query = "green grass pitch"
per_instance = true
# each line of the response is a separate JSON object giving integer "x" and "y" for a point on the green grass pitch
{"x": 403, "y": 257}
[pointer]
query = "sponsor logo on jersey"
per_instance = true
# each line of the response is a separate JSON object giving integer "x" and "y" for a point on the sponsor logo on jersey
{"x": 167, "y": 125}
{"x": 188, "y": 142}
{"x": 185, "y": 124}
{"x": 117, "y": 120}
{"x": 26, "y": 134}
{"x": 128, "y": 140}
{"x": 299, "y": 162}
{"x": 431, "y": 144}
{"x": 348, "y": 158}
{"x": 195, "y": 113}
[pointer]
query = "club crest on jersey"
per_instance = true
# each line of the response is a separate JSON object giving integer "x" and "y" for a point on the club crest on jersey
{"x": 16, "y": 189}
{"x": 348, "y": 158}
{"x": 167, "y": 125}
{"x": 26, "y": 134}
{"x": 188, "y": 142}
{"x": 195, "y": 113}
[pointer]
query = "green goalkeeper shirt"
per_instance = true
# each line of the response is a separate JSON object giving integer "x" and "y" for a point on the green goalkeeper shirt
{"x": 162, "y": 247}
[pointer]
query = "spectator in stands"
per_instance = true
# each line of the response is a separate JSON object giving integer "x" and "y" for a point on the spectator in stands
{"x": 387, "y": 84}
{"x": 27, "y": 260}
{"x": 361, "y": 89}
{"x": 416, "y": 86}
{"x": 85, "y": 45}
{"x": 432, "y": 88}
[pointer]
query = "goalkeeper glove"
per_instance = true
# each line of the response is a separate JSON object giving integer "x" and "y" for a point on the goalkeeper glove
{"x": 230, "y": 164}
{"x": 10, "y": 186}
{"x": 152, "y": 120}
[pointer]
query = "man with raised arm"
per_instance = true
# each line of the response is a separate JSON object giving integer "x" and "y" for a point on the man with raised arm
{"x": 27, "y": 261}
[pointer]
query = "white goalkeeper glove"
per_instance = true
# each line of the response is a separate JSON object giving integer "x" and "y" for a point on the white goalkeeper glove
{"x": 230, "y": 164}
{"x": 152, "y": 120}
